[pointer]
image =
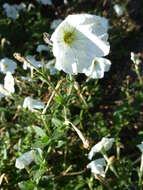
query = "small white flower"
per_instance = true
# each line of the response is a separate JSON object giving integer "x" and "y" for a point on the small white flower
{"x": 45, "y": 2}
{"x": 25, "y": 160}
{"x": 78, "y": 40}
{"x": 50, "y": 66}
{"x": 98, "y": 67}
{"x": 55, "y": 23}
{"x": 12, "y": 11}
{"x": 118, "y": 10}
{"x": 7, "y": 65}
{"x": 105, "y": 143}
{"x": 21, "y": 7}
{"x": 33, "y": 61}
{"x": 32, "y": 104}
{"x": 140, "y": 146}
{"x": 9, "y": 83}
{"x": 135, "y": 58}
{"x": 97, "y": 166}
{"x": 42, "y": 47}
{"x": 65, "y": 2}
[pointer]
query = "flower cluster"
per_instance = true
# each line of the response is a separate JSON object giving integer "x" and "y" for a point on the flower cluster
{"x": 7, "y": 67}
{"x": 97, "y": 166}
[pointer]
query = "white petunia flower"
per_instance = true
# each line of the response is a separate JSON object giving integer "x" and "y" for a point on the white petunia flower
{"x": 7, "y": 65}
{"x": 21, "y": 7}
{"x": 42, "y": 47}
{"x": 32, "y": 104}
{"x": 45, "y": 2}
{"x": 98, "y": 67}
{"x": 8, "y": 87}
{"x": 55, "y": 23}
{"x": 118, "y": 10}
{"x": 12, "y": 11}
{"x": 9, "y": 83}
{"x": 33, "y": 61}
{"x": 24, "y": 160}
{"x": 50, "y": 66}
{"x": 140, "y": 146}
{"x": 135, "y": 58}
{"x": 78, "y": 40}
{"x": 105, "y": 143}
{"x": 97, "y": 166}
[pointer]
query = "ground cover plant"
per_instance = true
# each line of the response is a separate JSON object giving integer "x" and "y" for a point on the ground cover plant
{"x": 71, "y": 93}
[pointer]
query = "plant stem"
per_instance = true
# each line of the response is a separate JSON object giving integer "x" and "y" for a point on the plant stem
{"x": 43, "y": 117}
{"x": 52, "y": 95}
{"x": 81, "y": 136}
{"x": 76, "y": 86}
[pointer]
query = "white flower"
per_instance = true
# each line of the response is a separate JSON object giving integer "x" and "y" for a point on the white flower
{"x": 12, "y": 11}
{"x": 105, "y": 143}
{"x": 135, "y": 58}
{"x": 65, "y": 2}
{"x": 24, "y": 160}
{"x": 97, "y": 166}
{"x": 118, "y": 10}
{"x": 98, "y": 67}
{"x": 21, "y": 7}
{"x": 50, "y": 66}
{"x": 45, "y": 2}
{"x": 140, "y": 146}
{"x": 55, "y": 23}
{"x": 42, "y": 47}
{"x": 33, "y": 61}
{"x": 9, "y": 83}
{"x": 7, "y": 65}
{"x": 78, "y": 40}
{"x": 32, "y": 104}
{"x": 8, "y": 87}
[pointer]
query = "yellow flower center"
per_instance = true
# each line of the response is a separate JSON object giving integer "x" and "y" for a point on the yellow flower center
{"x": 69, "y": 37}
{"x": 6, "y": 65}
{"x": 95, "y": 63}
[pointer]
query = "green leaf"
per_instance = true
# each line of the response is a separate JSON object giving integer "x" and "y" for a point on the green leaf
{"x": 26, "y": 185}
{"x": 39, "y": 131}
